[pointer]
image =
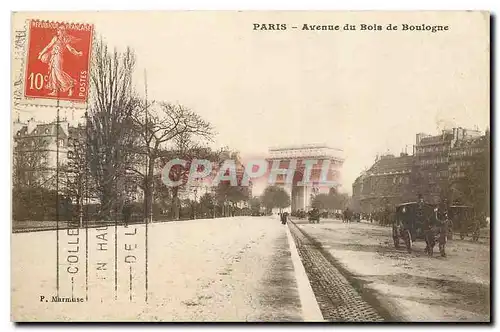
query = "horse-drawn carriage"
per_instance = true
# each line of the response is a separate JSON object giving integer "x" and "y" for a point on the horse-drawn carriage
{"x": 301, "y": 214}
{"x": 409, "y": 223}
{"x": 314, "y": 216}
{"x": 420, "y": 221}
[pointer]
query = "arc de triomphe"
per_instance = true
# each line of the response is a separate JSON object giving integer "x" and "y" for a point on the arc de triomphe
{"x": 321, "y": 180}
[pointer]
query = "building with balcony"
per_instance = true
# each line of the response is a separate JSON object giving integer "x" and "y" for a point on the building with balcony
{"x": 432, "y": 161}
{"x": 38, "y": 149}
{"x": 437, "y": 170}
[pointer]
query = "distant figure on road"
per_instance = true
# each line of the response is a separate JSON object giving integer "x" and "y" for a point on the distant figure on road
{"x": 284, "y": 217}
{"x": 126, "y": 212}
{"x": 476, "y": 227}
{"x": 347, "y": 215}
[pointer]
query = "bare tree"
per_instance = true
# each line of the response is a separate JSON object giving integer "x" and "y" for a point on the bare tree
{"x": 75, "y": 180}
{"x": 113, "y": 102}
{"x": 228, "y": 195}
{"x": 30, "y": 164}
{"x": 187, "y": 148}
{"x": 164, "y": 131}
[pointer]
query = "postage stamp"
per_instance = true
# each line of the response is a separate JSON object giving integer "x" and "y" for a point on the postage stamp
{"x": 58, "y": 60}
{"x": 51, "y": 63}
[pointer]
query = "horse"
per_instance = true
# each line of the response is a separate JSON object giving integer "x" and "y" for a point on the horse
{"x": 433, "y": 233}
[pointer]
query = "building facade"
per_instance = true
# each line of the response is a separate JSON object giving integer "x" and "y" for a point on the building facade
{"x": 432, "y": 161}
{"x": 469, "y": 172}
{"x": 386, "y": 183}
{"x": 437, "y": 170}
{"x": 52, "y": 156}
{"x": 39, "y": 148}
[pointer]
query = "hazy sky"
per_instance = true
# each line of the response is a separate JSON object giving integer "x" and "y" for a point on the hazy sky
{"x": 365, "y": 92}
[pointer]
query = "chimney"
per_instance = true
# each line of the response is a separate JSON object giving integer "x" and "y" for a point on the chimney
{"x": 31, "y": 125}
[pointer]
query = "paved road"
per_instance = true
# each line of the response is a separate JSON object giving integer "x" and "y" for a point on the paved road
{"x": 231, "y": 269}
{"x": 408, "y": 287}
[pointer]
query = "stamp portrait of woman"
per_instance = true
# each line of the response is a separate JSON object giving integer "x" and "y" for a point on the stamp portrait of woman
{"x": 53, "y": 55}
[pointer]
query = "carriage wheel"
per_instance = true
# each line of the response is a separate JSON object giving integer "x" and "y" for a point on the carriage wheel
{"x": 475, "y": 237}
{"x": 408, "y": 241}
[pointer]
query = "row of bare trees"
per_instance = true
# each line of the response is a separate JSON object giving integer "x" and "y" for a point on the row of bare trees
{"x": 131, "y": 137}
{"x": 124, "y": 143}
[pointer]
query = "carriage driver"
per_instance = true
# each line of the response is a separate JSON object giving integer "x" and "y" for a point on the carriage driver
{"x": 442, "y": 225}
{"x": 420, "y": 215}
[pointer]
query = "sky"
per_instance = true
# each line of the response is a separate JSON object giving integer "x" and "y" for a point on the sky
{"x": 365, "y": 92}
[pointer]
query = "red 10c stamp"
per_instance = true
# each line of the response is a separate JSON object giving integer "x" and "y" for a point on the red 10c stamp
{"x": 58, "y": 61}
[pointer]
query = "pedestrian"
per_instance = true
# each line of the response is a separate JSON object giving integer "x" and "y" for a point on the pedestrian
{"x": 126, "y": 212}
{"x": 436, "y": 228}
{"x": 476, "y": 230}
{"x": 284, "y": 217}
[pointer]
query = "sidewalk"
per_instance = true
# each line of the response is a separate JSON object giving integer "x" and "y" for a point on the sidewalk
{"x": 413, "y": 287}
{"x": 226, "y": 270}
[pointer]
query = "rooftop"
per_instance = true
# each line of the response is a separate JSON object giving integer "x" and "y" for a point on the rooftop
{"x": 41, "y": 129}
{"x": 306, "y": 151}
{"x": 470, "y": 142}
{"x": 302, "y": 147}
{"x": 391, "y": 164}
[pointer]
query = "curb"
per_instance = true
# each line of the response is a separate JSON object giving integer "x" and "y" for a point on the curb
{"x": 310, "y": 307}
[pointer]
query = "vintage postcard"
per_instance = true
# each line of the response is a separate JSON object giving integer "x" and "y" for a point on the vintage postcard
{"x": 272, "y": 166}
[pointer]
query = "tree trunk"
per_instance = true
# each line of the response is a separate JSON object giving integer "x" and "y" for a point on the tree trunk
{"x": 175, "y": 203}
{"x": 106, "y": 202}
{"x": 79, "y": 199}
{"x": 148, "y": 192}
